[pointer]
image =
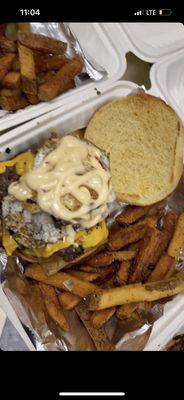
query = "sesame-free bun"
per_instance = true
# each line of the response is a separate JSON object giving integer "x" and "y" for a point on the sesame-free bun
{"x": 144, "y": 139}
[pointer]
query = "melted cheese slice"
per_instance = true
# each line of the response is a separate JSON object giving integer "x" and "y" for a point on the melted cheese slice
{"x": 23, "y": 163}
{"x": 88, "y": 239}
{"x": 9, "y": 244}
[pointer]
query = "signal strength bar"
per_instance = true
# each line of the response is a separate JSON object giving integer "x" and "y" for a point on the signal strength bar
{"x": 140, "y": 12}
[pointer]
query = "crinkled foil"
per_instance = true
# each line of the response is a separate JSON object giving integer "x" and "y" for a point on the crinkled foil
{"x": 25, "y": 297}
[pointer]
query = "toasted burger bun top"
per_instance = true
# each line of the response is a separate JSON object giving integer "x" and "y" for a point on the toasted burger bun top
{"x": 144, "y": 138}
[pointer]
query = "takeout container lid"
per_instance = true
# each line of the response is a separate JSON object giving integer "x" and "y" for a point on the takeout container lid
{"x": 167, "y": 81}
{"x": 149, "y": 41}
{"x": 99, "y": 47}
{"x": 20, "y": 138}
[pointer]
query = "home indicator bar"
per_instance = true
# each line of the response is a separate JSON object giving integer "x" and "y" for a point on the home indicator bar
{"x": 112, "y": 394}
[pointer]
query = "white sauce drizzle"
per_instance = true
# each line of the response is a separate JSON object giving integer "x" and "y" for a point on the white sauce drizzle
{"x": 71, "y": 184}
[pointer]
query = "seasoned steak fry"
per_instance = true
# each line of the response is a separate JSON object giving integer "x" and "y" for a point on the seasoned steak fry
{"x": 61, "y": 81}
{"x": 99, "y": 318}
{"x": 53, "y": 307}
{"x": 136, "y": 292}
{"x": 177, "y": 241}
{"x": 42, "y": 43}
{"x": 11, "y": 80}
{"x": 27, "y": 69}
{"x": 5, "y": 64}
{"x": 98, "y": 336}
{"x": 46, "y": 62}
{"x": 61, "y": 280}
{"x": 69, "y": 300}
{"x": 7, "y": 45}
{"x": 107, "y": 257}
{"x": 125, "y": 236}
{"x": 123, "y": 272}
{"x": 162, "y": 268}
{"x": 145, "y": 255}
{"x": 13, "y": 103}
{"x": 132, "y": 214}
{"x": 167, "y": 233}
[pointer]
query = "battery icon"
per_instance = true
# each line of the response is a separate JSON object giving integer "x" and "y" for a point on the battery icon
{"x": 165, "y": 12}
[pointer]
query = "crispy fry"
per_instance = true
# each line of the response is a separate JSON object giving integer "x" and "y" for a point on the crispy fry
{"x": 16, "y": 64}
{"x": 44, "y": 77}
{"x": 125, "y": 236}
{"x": 32, "y": 98}
{"x": 177, "y": 241}
{"x": 106, "y": 258}
{"x": 132, "y": 214}
{"x": 23, "y": 27}
{"x": 11, "y": 80}
{"x": 132, "y": 323}
{"x": 109, "y": 283}
{"x": 7, "y": 45}
{"x": 105, "y": 274}
{"x": 27, "y": 69}
{"x": 123, "y": 272}
{"x": 69, "y": 300}
{"x": 46, "y": 62}
{"x": 11, "y": 31}
{"x": 53, "y": 307}
{"x": 134, "y": 246}
{"x": 10, "y": 92}
{"x": 5, "y": 64}
{"x": 59, "y": 83}
{"x": 162, "y": 268}
{"x": 87, "y": 268}
{"x": 176, "y": 344}
{"x": 98, "y": 336}
{"x": 145, "y": 254}
{"x": 136, "y": 293}
{"x": 42, "y": 43}
{"x": 100, "y": 317}
{"x": 87, "y": 276}
{"x": 167, "y": 233}
{"x": 126, "y": 310}
{"x": 13, "y": 103}
{"x": 61, "y": 280}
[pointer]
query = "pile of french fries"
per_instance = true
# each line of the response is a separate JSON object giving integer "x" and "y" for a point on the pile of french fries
{"x": 33, "y": 67}
{"x": 136, "y": 267}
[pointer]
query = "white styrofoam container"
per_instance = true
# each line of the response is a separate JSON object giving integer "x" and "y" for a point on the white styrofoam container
{"x": 2, "y": 320}
{"x": 149, "y": 41}
{"x": 63, "y": 123}
{"x": 97, "y": 45}
{"x": 167, "y": 81}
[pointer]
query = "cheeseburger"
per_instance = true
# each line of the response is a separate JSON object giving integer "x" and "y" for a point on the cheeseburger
{"x": 56, "y": 201}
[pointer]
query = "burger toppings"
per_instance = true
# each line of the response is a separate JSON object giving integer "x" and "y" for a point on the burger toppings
{"x": 72, "y": 183}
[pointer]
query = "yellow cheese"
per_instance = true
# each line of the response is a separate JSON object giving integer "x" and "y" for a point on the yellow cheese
{"x": 23, "y": 163}
{"x": 87, "y": 239}
{"x": 9, "y": 243}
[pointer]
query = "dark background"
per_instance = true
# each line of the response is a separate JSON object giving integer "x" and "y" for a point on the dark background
{"x": 82, "y": 11}
{"x": 141, "y": 375}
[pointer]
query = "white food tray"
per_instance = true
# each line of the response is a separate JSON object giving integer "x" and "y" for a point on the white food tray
{"x": 2, "y": 320}
{"x": 97, "y": 45}
{"x": 167, "y": 80}
{"x": 77, "y": 117}
{"x": 148, "y": 41}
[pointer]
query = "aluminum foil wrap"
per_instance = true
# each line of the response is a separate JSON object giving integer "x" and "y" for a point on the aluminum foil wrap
{"x": 26, "y": 299}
